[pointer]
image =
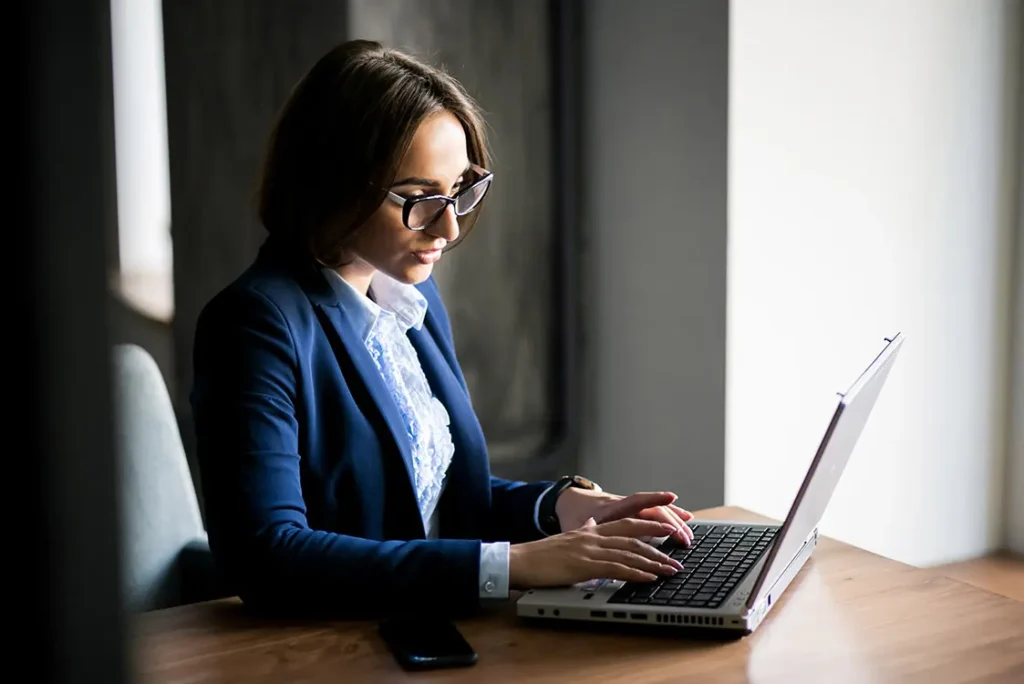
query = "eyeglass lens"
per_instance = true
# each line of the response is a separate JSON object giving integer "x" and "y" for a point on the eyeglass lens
{"x": 427, "y": 211}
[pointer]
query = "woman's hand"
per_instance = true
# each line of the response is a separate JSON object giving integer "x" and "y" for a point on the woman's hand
{"x": 575, "y": 506}
{"x": 612, "y": 550}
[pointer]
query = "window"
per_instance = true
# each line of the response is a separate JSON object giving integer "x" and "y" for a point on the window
{"x": 144, "y": 276}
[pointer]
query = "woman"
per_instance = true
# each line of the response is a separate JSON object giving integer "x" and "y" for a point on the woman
{"x": 342, "y": 464}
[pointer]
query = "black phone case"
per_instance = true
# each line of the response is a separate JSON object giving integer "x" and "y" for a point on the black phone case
{"x": 410, "y": 661}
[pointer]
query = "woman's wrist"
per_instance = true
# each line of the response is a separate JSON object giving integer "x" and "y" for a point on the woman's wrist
{"x": 516, "y": 579}
{"x": 572, "y": 507}
{"x": 557, "y": 512}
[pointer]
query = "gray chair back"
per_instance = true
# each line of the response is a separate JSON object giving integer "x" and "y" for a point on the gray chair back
{"x": 162, "y": 521}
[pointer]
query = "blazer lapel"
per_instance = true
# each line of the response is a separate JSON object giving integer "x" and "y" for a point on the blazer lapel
{"x": 356, "y": 352}
{"x": 469, "y": 473}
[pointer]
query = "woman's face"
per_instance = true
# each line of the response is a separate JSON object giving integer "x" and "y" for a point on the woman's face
{"x": 436, "y": 164}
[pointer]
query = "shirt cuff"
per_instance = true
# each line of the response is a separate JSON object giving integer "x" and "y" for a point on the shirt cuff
{"x": 494, "y": 570}
{"x": 536, "y": 510}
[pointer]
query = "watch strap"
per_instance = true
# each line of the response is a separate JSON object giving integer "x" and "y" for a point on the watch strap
{"x": 547, "y": 517}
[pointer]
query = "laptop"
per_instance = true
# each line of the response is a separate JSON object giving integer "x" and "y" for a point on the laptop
{"x": 734, "y": 572}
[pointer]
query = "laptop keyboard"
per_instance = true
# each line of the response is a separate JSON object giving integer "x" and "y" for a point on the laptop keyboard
{"x": 716, "y": 562}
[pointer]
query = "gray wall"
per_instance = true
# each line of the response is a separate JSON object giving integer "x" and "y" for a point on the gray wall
{"x": 655, "y": 133}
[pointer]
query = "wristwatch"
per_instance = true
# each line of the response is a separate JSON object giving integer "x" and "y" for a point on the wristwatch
{"x": 547, "y": 518}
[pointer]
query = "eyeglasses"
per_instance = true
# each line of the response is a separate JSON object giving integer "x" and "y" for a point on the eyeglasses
{"x": 421, "y": 211}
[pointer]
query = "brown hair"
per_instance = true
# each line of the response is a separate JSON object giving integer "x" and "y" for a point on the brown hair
{"x": 340, "y": 137}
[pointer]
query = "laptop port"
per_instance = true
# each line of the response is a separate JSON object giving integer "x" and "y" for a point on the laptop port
{"x": 638, "y": 616}
{"x": 620, "y": 615}
{"x": 598, "y": 613}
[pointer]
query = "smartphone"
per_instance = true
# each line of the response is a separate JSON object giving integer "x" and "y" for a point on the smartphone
{"x": 427, "y": 643}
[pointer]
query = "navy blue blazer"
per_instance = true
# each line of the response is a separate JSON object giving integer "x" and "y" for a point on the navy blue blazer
{"x": 305, "y": 465}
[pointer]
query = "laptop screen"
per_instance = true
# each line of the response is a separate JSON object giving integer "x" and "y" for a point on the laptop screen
{"x": 848, "y": 420}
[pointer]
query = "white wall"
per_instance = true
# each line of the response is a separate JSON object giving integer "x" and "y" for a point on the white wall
{"x": 1015, "y": 493}
{"x": 871, "y": 189}
{"x": 654, "y": 155}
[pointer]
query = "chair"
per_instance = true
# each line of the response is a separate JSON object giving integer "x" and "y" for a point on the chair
{"x": 167, "y": 558}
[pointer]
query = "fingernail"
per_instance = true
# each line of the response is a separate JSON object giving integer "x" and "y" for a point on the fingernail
{"x": 670, "y": 570}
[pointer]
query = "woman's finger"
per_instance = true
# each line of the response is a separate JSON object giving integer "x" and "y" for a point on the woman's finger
{"x": 618, "y": 571}
{"x": 686, "y": 515}
{"x": 641, "y": 548}
{"x": 634, "y": 527}
{"x": 680, "y": 531}
{"x": 685, "y": 534}
{"x": 629, "y": 506}
{"x": 633, "y": 560}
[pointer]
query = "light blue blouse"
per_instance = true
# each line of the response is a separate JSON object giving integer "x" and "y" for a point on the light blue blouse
{"x": 383, "y": 323}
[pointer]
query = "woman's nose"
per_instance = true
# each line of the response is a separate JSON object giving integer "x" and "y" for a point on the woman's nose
{"x": 447, "y": 225}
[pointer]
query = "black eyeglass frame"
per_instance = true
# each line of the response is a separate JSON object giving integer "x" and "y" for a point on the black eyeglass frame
{"x": 408, "y": 203}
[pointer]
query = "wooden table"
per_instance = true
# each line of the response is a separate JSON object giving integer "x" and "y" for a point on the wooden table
{"x": 850, "y": 616}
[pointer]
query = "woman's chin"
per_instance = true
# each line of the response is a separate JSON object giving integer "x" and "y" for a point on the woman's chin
{"x": 413, "y": 273}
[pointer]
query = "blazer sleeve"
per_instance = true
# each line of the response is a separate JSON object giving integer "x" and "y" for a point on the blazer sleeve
{"x": 514, "y": 508}
{"x": 246, "y": 376}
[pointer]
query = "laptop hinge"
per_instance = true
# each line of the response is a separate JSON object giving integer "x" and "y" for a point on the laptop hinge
{"x": 753, "y": 599}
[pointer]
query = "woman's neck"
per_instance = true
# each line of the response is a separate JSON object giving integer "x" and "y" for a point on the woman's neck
{"x": 358, "y": 275}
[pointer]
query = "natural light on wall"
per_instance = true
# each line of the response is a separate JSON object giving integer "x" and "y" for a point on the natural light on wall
{"x": 871, "y": 191}
{"x": 145, "y": 277}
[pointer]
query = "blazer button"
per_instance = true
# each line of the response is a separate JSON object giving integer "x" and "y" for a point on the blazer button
{"x": 489, "y": 586}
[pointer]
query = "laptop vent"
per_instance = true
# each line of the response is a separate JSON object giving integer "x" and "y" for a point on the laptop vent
{"x": 707, "y": 620}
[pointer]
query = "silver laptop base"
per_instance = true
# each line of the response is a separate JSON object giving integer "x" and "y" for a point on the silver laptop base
{"x": 732, "y": 616}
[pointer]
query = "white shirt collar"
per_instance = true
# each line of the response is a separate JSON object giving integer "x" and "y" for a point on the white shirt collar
{"x": 406, "y": 303}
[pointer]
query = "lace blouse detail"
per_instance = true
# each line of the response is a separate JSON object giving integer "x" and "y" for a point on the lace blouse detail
{"x": 425, "y": 417}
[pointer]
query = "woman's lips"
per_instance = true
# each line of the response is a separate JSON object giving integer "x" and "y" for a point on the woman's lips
{"x": 427, "y": 256}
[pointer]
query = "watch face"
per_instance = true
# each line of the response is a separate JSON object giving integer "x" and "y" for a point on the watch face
{"x": 585, "y": 483}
